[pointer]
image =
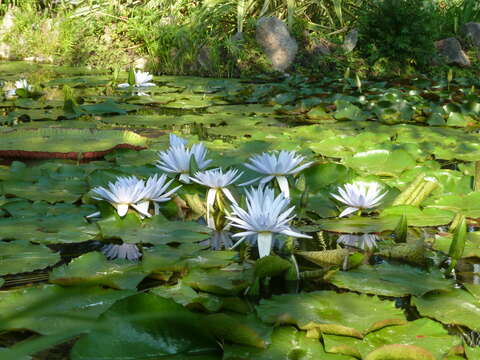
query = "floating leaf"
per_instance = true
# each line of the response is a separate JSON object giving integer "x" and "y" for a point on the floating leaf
{"x": 95, "y": 269}
{"x": 456, "y": 307}
{"x": 391, "y": 280}
{"x": 145, "y": 326}
{"x": 21, "y": 256}
{"x": 427, "y": 335}
{"x": 47, "y": 143}
{"x": 330, "y": 312}
{"x": 51, "y": 309}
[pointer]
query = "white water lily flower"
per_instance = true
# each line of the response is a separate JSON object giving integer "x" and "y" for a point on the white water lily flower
{"x": 141, "y": 80}
{"x": 123, "y": 251}
{"x": 156, "y": 191}
{"x": 125, "y": 192}
{"x": 216, "y": 180}
{"x": 177, "y": 140}
{"x": 359, "y": 195}
{"x": 176, "y": 160}
{"x": 363, "y": 241}
{"x": 276, "y": 165}
{"x": 23, "y": 84}
{"x": 265, "y": 215}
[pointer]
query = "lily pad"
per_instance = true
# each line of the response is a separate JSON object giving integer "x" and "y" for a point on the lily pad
{"x": 455, "y": 307}
{"x": 94, "y": 269}
{"x": 391, "y": 280}
{"x": 186, "y": 296}
{"x": 219, "y": 281}
{"x": 47, "y": 143}
{"x": 50, "y": 309}
{"x": 146, "y": 326}
{"x": 427, "y": 336}
{"x": 21, "y": 256}
{"x": 287, "y": 343}
{"x": 331, "y": 313}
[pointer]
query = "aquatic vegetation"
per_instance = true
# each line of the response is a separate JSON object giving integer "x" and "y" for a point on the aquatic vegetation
{"x": 178, "y": 252}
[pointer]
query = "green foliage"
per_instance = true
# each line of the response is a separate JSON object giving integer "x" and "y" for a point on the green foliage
{"x": 399, "y": 30}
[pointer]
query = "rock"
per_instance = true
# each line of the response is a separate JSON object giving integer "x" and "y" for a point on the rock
{"x": 351, "y": 40}
{"x": 472, "y": 30}
{"x": 277, "y": 43}
{"x": 140, "y": 63}
{"x": 204, "y": 58}
{"x": 451, "y": 50}
{"x": 8, "y": 22}
{"x": 4, "y": 51}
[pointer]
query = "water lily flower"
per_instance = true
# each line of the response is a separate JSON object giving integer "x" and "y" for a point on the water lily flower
{"x": 123, "y": 251}
{"x": 276, "y": 165}
{"x": 177, "y": 140}
{"x": 23, "y": 84}
{"x": 124, "y": 193}
{"x": 363, "y": 241}
{"x": 141, "y": 80}
{"x": 265, "y": 216}
{"x": 155, "y": 191}
{"x": 176, "y": 159}
{"x": 359, "y": 195}
{"x": 217, "y": 181}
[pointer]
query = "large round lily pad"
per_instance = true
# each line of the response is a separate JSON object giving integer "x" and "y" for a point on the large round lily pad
{"x": 47, "y": 143}
{"x": 21, "y": 256}
{"x": 330, "y": 312}
{"x": 391, "y": 280}
{"x": 457, "y": 307}
{"x": 146, "y": 327}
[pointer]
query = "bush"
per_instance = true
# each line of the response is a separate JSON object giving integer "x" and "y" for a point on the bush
{"x": 398, "y": 30}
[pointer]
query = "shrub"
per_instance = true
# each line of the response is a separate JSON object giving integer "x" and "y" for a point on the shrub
{"x": 398, "y": 30}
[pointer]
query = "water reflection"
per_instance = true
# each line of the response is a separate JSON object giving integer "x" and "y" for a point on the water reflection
{"x": 361, "y": 241}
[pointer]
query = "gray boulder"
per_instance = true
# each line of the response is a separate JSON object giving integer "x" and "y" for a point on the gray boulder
{"x": 351, "y": 40}
{"x": 451, "y": 50}
{"x": 472, "y": 30}
{"x": 273, "y": 36}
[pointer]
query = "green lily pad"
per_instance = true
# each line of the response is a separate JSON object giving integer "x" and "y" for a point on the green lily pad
{"x": 219, "y": 281}
{"x": 330, "y": 312}
{"x": 456, "y": 307}
{"x": 51, "y": 309}
{"x": 66, "y": 143}
{"x": 95, "y": 269}
{"x": 240, "y": 329}
{"x": 157, "y": 230}
{"x": 358, "y": 224}
{"x": 21, "y": 256}
{"x": 287, "y": 343}
{"x": 381, "y": 162}
{"x": 391, "y": 280}
{"x": 186, "y": 296}
{"x": 147, "y": 326}
{"x": 48, "y": 229}
{"x": 424, "y": 334}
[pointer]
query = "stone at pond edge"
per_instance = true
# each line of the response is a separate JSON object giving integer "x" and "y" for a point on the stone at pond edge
{"x": 472, "y": 30}
{"x": 275, "y": 39}
{"x": 351, "y": 40}
{"x": 451, "y": 50}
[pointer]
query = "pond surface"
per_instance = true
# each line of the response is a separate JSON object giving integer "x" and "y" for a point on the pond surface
{"x": 372, "y": 284}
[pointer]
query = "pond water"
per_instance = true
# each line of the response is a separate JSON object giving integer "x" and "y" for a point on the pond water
{"x": 373, "y": 283}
